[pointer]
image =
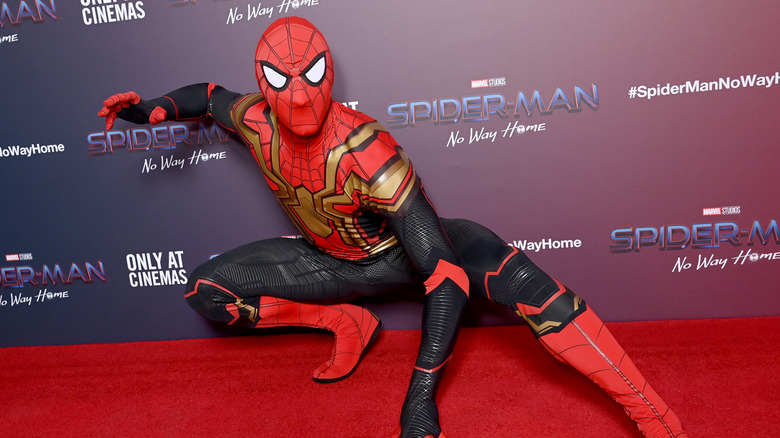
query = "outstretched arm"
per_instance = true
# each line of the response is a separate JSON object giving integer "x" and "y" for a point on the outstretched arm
{"x": 187, "y": 103}
{"x": 446, "y": 294}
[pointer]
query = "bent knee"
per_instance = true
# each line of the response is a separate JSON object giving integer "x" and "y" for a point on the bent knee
{"x": 555, "y": 314}
{"x": 216, "y": 301}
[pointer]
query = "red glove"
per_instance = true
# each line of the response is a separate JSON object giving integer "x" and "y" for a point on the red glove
{"x": 129, "y": 106}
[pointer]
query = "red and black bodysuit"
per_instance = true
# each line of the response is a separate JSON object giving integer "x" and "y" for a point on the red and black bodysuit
{"x": 369, "y": 229}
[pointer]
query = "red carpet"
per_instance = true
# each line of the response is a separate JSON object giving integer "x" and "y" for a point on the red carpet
{"x": 720, "y": 376}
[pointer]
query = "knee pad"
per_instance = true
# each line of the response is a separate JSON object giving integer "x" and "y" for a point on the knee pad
{"x": 555, "y": 313}
{"x": 219, "y": 303}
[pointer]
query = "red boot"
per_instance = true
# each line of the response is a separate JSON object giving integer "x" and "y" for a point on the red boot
{"x": 587, "y": 345}
{"x": 353, "y": 326}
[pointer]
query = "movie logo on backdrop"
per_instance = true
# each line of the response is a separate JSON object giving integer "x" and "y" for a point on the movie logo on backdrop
{"x": 162, "y": 137}
{"x": 15, "y": 12}
{"x": 484, "y": 107}
{"x": 50, "y": 281}
{"x": 492, "y": 82}
{"x": 111, "y": 11}
{"x": 718, "y": 211}
{"x": 704, "y": 236}
{"x": 268, "y": 11}
{"x": 18, "y": 257}
{"x": 257, "y": 10}
{"x": 13, "y": 38}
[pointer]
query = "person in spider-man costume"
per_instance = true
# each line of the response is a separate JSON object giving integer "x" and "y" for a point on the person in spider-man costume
{"x": 368, "y": 229}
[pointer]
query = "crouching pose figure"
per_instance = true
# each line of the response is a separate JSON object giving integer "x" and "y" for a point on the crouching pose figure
{"x": 369, "y": 229}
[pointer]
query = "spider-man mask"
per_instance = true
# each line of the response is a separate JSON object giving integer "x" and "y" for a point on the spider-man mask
{"x": 295, "y": 74}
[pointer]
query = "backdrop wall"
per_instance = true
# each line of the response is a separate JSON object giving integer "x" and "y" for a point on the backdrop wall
{"x": 629, "y": 148}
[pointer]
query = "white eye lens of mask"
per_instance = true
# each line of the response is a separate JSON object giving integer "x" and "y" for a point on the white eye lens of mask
{"x": 274, "y": 78}
{"x": 316, "y": 72}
